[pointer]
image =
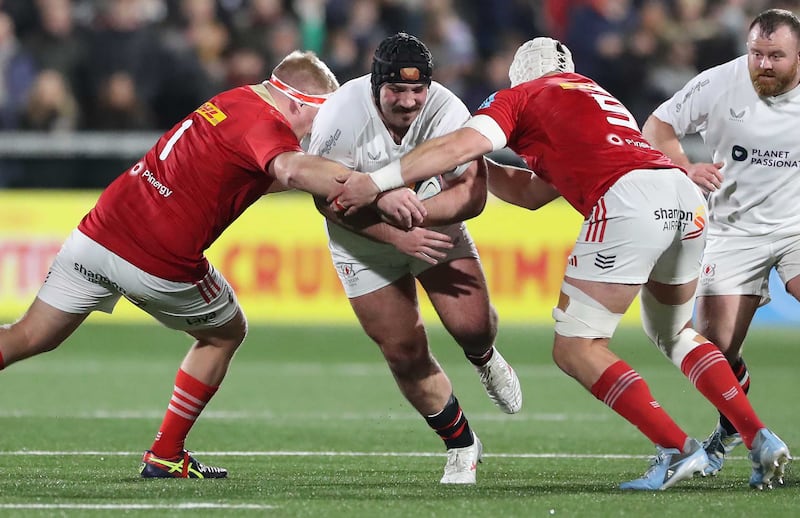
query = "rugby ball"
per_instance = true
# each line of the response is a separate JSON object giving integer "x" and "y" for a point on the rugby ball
{"x": 428, "y": 188}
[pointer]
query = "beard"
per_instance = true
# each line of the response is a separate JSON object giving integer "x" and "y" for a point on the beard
{"x": 771, "y": 83}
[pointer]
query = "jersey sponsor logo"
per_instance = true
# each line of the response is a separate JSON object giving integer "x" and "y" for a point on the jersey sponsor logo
{"x": 376, "y": 157}
{"x": 738, "y": 153}
{"x": 147, "y": 176}
{"x": 695, "y": 88}
{"x": 162, "y": 189}
{"x": 772, "y": 158}
{"x": 691, "y": 223}
{"x": 97, "y": 278}
{"x": 326, "y": 148}
{"x": 211, "y": 113}
{"x": 487, "y": 102}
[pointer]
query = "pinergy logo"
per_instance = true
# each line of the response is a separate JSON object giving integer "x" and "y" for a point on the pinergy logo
{"x": 739, "y": 153}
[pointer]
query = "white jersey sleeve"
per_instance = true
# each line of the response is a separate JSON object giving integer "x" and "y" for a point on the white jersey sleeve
{"x": 756, "y": 140}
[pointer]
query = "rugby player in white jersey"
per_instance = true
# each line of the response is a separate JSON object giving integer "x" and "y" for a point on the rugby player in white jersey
{"x": 371, "y": 121}
{"x": 747, "y": 111}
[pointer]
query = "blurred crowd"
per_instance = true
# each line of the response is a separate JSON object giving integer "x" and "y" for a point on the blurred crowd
{"x": 69, "y": 65}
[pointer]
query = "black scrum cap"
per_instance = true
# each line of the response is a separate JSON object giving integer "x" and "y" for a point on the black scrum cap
{"x": 401, "y": 58}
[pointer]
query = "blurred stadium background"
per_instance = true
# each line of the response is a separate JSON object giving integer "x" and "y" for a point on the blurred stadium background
{"x": 88, "y": 85}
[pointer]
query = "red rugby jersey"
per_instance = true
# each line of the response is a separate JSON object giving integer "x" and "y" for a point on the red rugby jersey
{"x": 573, "y": 134}
{"x": 166, "y": 210}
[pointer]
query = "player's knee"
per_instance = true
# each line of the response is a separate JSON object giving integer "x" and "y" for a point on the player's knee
{"x": 584, "y": 317}
{"x": 407, "y": 360}
{"x": 476, "y": 335}
{"x": 664, "y": 323}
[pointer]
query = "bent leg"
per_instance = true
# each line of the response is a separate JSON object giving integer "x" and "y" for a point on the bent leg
{"x": 198, "y": 379}
{"x": 42, "y": 328}
{"x": 458, "y": 292}
{"x": 581, "y": 350}
{"x": 390, "y": 317}
{"x": 666, "y": 314}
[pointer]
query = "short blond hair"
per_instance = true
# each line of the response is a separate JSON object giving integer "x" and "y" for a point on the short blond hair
{"x": 304, "y": 71}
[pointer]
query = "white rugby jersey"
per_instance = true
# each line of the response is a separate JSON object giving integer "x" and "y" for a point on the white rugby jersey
{"x": 349, "y": 129}
{"x": 756, "y": 138}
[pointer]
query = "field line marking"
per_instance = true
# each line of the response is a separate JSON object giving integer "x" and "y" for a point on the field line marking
{"x": 123, "y": 507}
{"x": 44, "y": 453}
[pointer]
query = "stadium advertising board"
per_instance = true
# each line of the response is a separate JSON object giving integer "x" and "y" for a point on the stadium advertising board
{"x": 276, "y": 258}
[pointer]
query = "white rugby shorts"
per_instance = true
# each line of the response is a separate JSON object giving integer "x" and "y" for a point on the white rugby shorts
{"x": 649, "y": 225}
{"x": 734, "y": 266}
{"x": 365, "y": 266}
{"x": 87, "y": 277}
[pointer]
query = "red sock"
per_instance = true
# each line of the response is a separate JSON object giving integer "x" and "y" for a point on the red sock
{"x": 709, "y": 372}
{"x": 2, "y": 362}
{"x": 188, "y": 399}
{"x": 626, "y": 393}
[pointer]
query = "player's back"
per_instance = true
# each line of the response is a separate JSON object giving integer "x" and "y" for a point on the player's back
{"x": 579, "y": 137}
{"x": 199, "y": 177}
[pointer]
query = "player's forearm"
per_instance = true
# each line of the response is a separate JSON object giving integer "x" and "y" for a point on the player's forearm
{"x": 464, "y": 200}
{"x": 309, "y": 173}
{"x": 433, "y": 157}
{"x": 519, "y": 186}
{"x": 661, "y": 136}
{"x": 366, "y": 223}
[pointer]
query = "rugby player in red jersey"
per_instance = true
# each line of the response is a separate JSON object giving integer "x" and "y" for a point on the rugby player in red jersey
{"x": 146, "y": 236}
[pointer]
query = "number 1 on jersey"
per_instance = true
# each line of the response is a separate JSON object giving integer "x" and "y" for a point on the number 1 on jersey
{"x": 173, "y": 139}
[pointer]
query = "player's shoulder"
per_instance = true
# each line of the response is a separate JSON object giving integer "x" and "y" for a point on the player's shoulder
{"x": 352, "y": 93}
{"x": 724, "y": 76}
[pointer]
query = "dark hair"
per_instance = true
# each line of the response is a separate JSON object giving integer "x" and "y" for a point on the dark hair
{"x": 770, "y": 20}
{"x": 401, "y": 58}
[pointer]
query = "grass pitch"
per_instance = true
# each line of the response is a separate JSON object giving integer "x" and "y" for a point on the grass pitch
{"x": 310, "y": 423}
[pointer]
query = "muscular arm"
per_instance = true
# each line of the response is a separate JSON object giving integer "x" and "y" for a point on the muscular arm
{"x": 463, "y": 197}
{"x": 428, "y": 159}
{"x": 662, "y": 136}
{"x": 421, "y": 243}
{"x": 519, "y": 186}
{"x": 309, "y": 173}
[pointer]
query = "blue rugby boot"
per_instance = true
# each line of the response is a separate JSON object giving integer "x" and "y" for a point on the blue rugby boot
{"x": 719, "y": 444}
{"x": 671, "y": 466}
{"x": 769, "y": 456}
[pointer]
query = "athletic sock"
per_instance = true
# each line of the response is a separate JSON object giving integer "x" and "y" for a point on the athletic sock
{"x": 451, "y": 424}
{"x": 743, "y": 375}
{"x": 482, "y": 359}
{"x": 2, "y": 362}
{"x": 626, "y": 393}
{"x": 189, "y": 397}
{"x": 709, "y": 372}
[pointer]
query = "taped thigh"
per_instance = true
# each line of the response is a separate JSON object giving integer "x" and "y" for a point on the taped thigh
{"x": 583, "y": 316}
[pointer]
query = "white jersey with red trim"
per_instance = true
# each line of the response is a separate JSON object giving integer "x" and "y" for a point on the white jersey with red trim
{"x": 756, "y": 138}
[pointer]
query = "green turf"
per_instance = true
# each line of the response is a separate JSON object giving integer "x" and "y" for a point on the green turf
{"x": 310, "y": 423}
